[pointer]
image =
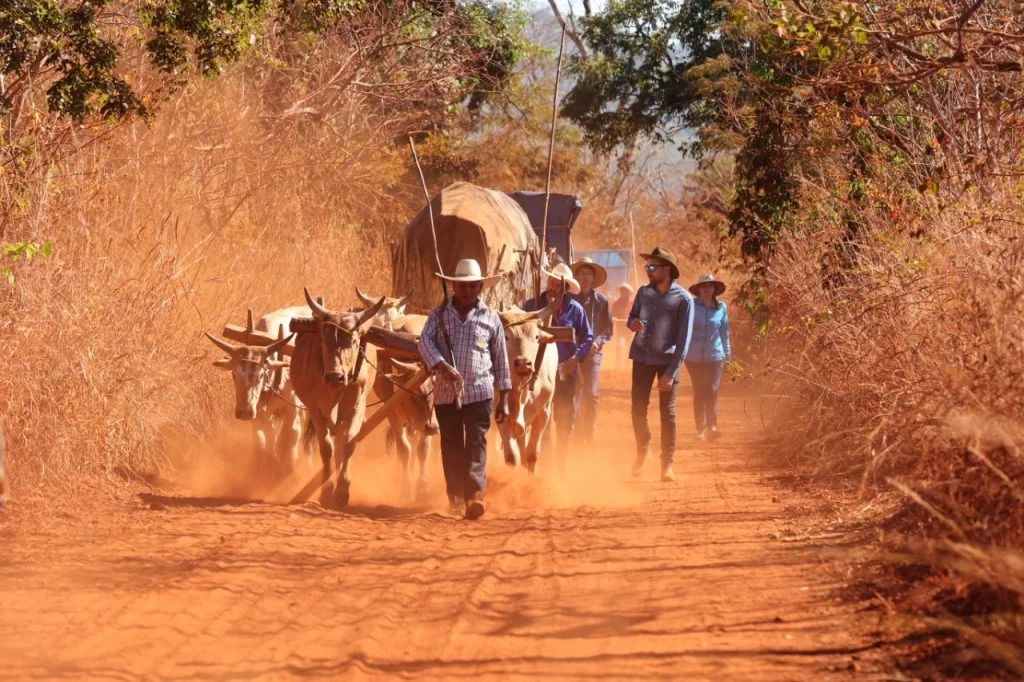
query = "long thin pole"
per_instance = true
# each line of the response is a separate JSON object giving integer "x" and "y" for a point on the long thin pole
{"x": 632, "y": 234}
{"x": 551, "y": 158}
{"x": 437, "y": 257}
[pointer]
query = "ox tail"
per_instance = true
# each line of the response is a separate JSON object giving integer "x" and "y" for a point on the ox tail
{"x": 308, "y": 435}
{"x": 389, "y": 441}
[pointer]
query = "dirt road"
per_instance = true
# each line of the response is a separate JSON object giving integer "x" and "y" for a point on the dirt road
{"x": 592, "y": 577}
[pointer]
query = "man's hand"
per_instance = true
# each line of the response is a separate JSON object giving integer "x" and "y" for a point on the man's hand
{"x": 665, "y": 382}
{"x": 448, "y": 372}
{"x": 501, "y": 411}
{"x": 594, "y": 350}
{"x": 636, "y": 326}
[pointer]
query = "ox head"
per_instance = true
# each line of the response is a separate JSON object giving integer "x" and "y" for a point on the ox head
{"x": 393, "y": 308}
{"x": 523, "y": 336}
{"x": 339, "y": 339}
{"x": 252, "y": 369}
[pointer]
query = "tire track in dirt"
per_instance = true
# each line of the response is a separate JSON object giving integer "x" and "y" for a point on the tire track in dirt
{"x": 594, "y": 575}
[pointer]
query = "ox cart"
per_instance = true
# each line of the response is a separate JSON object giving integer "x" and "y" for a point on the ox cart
{"x": 471, "y": 222}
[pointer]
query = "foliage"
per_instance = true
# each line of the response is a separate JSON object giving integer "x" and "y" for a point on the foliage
{"x": 14, "y": 252}
{"x": 634, "y": 83}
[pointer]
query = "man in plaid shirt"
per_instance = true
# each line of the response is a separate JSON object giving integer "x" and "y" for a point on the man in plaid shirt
{"x": 465, "y": 330}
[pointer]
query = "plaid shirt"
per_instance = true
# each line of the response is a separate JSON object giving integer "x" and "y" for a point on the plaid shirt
{"x": 480, "y": 356}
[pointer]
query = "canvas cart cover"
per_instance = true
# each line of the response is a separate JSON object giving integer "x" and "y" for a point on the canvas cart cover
{"x": 563, "y": 210}
{"x": 471, "y": 222}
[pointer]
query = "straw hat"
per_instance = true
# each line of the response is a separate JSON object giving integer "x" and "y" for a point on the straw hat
{"x": 664, "y": 254}
{"x": 600, "y": 274}
{"x": 704, "y": 279}
{"x": 563, "y": 271}
{"x": 468, "y": 270}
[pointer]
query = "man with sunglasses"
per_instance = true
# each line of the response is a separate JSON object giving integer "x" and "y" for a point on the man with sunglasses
{"x": 662, "y": 321}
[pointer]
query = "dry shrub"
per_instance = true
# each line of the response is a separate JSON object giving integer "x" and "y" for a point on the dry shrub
{"x": 160, "y": 233}
{"x": 903, "y": 351}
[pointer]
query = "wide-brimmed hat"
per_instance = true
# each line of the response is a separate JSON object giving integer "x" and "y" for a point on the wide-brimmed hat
{"x": 664, "y": 254}
{"x": 468, "y": 270}
{"x": 704, "y": 279}
{"x": 563, "y": 271}
{"x": 600, "y": 274}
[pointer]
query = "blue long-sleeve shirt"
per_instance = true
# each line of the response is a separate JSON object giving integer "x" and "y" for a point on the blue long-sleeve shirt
{"x": 572, "y": 315}
{"x": 669, "y": 318}
{"x": 710, "y": 333}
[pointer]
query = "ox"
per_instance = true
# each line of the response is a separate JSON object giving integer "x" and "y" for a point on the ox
{"x": 332, "y": 372}
{"x": 392, "y": 309}
{"x": 413, "y": 417}
{"x": 531, "y": 397}
{"x": 263, "y": 393}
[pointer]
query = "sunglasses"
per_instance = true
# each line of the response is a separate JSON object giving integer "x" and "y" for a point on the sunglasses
{"x": 652, "y": 268}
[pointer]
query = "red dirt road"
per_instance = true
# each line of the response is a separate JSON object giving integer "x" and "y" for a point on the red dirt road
{"x": 597, "y": 577}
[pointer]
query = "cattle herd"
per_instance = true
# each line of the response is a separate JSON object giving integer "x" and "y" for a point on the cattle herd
{"x": 323, "y": 390}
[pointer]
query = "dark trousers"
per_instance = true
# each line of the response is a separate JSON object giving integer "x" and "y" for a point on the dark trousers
{"x": 564, "y": 409}
{"x": 706, "y": 377}
{"x": 643, "y": 379}
{"x": 589, "y": 397}
{"x": 464, "y": 447}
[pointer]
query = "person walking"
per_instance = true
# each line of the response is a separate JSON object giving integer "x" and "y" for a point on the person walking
{"x": 463, "y": 344}
{"x": 560, "y": 282}
{"x": 620, "y": 314}
{"x": 708, "y": 353}
{"x": 595, "y": 304}
{"x": 662, "y": 320}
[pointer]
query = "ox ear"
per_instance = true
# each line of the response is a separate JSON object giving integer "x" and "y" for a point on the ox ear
{"x": 223, "y": 363}
{"x": 228, "y": 348}
{"x": 366, "y": 317}
{"x": 367, "y": 300}
{"x": 319, "y": 311}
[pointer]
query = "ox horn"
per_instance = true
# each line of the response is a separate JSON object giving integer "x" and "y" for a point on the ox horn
{"x": 279, "y": 344}
{"x": 228, "y": 348}
{"x": 318, "y": 308}
{"x": 249, "y": 328}
{"x": 368, "y": 314}
{"x": 366, "y": 299}
{"x": 402, "y": 301}
{"x": 405, "y": 368}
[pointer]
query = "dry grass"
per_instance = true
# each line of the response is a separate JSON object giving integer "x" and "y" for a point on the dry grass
{"x": 160, "y": 233}
{"x": 905, "y": 366}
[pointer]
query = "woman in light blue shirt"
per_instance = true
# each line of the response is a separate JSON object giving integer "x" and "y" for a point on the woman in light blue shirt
{"x": 708, "y": 352}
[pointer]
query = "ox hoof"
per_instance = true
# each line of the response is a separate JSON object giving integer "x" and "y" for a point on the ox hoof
{"x": 341, "y": 494}
{"x": 531, "y": 465}
{"x": 326, "y": 496}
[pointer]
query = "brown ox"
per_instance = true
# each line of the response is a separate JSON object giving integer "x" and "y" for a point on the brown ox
{"x": 413, "y": 417}
{"x": 529, "y": 405}
{"x": 263, "y": 394}
{"x": 332, "y": 374}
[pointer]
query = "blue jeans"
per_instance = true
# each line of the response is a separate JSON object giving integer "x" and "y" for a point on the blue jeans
{"x": 464, "y": 447}
{"x": 589, "y": 396}
{"x": 564, "y": 409}
{"x": 706, "y": 378}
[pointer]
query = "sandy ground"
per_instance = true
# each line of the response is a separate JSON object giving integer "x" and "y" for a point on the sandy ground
{"x": 588, "y": 576}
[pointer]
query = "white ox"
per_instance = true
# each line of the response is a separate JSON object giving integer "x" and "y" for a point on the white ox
{"x": 529, "y": 405}
{"x": 264, "y": 393}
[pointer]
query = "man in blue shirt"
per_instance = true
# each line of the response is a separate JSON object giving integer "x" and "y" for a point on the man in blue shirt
{"x": 570, "y": 355}
{"x": 662, "y": 320}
